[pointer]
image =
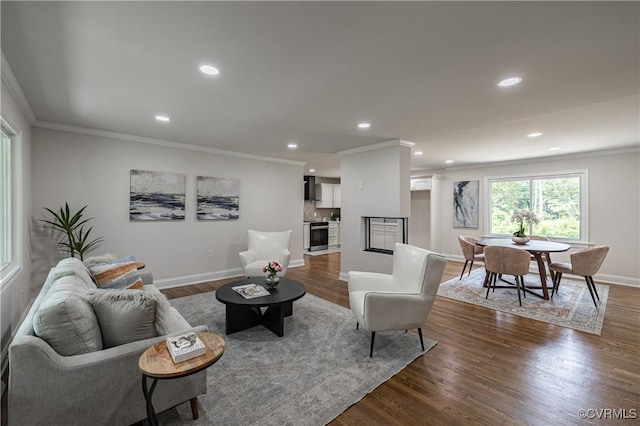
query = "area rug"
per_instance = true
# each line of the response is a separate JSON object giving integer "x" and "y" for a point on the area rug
{"x": 308, "y": 377}
{"x": 571, "y": 307}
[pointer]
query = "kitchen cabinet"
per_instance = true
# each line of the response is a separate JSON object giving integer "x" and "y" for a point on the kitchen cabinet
{"x": 421, "y": 184}
{"x": 334, "y": 234}
{"x": 306, "y": 237}
{"x": 384, "y": 235}
{"x": 328, "y": 195}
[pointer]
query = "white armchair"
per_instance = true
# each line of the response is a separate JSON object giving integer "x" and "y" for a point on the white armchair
{"x": 399, "y": 301}
{"x": 264, "y": 247}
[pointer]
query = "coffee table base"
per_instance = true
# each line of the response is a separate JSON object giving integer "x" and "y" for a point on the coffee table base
{"x": 240, "y": 318}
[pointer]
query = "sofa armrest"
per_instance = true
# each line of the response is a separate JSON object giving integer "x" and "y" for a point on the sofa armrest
{"x": 147, "y": 276}
{"x": 393, "y": 311}
{"x": 285, "y": 257}
{"x": 246, "y": 258}
{"x": 47, "y": 388}
{"x": 369, "y": 281}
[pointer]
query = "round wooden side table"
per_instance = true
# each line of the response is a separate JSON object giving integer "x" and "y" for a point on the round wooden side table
{"x": 156, "y": 363}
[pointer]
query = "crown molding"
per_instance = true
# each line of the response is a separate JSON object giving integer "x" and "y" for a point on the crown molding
{"x": 9, "y": 79}
{"x": 380, "y": 145}
{"x": 599, "y": 153}
{"x": 158, "y": 142}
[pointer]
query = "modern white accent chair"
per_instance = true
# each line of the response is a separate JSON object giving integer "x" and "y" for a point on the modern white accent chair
{"x": 264, "y": 247}
{"x": 401, "y": 300}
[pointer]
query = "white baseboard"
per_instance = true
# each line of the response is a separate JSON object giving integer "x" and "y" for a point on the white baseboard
{"x": 209, "y": 276}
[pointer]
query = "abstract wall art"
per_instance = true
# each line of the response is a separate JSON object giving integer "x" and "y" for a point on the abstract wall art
{"x": 156, "y": 195}
{"x": 218, "y": 198}
{"x": 465, "y": 204}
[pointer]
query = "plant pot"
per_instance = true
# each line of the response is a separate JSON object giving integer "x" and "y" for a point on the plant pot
{"x": 520, "y": 240}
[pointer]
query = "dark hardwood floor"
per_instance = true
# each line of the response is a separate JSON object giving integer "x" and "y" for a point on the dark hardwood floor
{"x": 494, "y": 368}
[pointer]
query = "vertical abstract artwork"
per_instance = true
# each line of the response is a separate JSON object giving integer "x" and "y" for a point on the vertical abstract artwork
{"x": 217, "y": 198}
{"x": 465, "y": 204}
{"x": 157, "y": 195}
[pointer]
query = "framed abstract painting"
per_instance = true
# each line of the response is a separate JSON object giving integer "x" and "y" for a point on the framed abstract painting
{"x": 157, "y": 195}
{"x": 217, "y": 198}
{"x": 465, "y": 204}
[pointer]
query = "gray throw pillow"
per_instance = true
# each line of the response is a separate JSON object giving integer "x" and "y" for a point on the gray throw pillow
{"x": 124, "y": 316}
{"x": 65, "y": 319}
{"x": 168, "y": 320}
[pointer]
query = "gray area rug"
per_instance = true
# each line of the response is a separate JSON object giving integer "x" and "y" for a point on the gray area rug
{"x": 571, "y": 307}
{"x": 308, "y": 377}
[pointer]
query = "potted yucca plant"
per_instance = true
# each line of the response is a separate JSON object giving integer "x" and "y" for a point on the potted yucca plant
{"x": 72, "y": 227}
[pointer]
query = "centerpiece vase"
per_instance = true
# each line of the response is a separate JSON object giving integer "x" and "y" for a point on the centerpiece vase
{"x": 271, "y": 281}
{"x": 520, "y": 240}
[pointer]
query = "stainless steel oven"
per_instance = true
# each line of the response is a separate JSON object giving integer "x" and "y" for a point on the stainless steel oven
{"x": 318, "y": 236}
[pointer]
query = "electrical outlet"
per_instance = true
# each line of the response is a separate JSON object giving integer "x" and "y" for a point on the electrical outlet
{"x": 361, "y": 185}
{"x": 209, "y": 253}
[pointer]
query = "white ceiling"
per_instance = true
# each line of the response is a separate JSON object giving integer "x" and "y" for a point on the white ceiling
{"x": 308, "y": 72}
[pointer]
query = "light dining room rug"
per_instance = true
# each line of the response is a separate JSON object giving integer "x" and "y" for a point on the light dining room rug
{"x": 571, "y": 307}
{"x": 308, "y": 377}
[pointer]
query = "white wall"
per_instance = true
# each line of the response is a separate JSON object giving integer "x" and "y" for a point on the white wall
{"x": 420, "y": 220}
{"x": 384, "y": 174}
{"x": 614, "y": 206}
{"x": 16, "y": 293}
{"x": 93, "y": 170}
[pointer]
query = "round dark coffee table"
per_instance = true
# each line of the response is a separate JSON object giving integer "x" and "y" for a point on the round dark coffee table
{"x": 242, "y": 313}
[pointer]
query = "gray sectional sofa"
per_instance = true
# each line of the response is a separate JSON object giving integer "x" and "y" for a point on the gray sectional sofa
{"x": 74, "y": 359}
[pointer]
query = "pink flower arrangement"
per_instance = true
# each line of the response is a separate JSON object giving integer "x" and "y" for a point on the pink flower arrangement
{"x": 272, "y": 267}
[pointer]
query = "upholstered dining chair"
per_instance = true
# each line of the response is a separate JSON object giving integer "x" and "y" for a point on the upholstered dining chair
{"x": 263, "y": 247}
{"x": 506, "y": 261}
{"x": 584, "y": 262}
{"x": 471, "y": 252}
{"x": 400, "y": 300}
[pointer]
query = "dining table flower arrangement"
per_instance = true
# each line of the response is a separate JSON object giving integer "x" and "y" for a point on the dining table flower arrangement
{"x": 520, "y": 217}
{"x": 271, "y": 269}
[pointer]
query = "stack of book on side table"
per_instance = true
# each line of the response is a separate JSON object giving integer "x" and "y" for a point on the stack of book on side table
{"x": 185, "y": 346}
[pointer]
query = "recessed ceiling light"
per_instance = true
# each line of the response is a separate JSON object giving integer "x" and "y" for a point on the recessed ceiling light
{"x": 449, "y": 161}
{"x": 209, "y": 70}
{"x": 163, "y": 118}
{"x": 312, "y": 170}
{"x": 555, "y": 148}
{"x": 509, "y": 81}
{"x": 292, "y": 145}
{"x": 364, "y": 125}
{"x": 418, "y": 153}
{"x": 534, "y": 135}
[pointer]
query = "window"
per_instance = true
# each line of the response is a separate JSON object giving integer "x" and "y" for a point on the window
{"x": 5, "y": 199}
{"x": 382, "y": 233}
{"x": 558, "y": 200}
{"x": 8, "y": 245}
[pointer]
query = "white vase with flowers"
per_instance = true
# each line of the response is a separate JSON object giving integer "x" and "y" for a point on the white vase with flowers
{"x": 520, "y": 217}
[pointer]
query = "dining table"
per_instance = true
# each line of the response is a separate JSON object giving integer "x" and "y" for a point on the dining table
{"x": 540, "y": 250}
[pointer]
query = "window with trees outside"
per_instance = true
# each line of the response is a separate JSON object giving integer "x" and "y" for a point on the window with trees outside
{"x": 559, "y": 202}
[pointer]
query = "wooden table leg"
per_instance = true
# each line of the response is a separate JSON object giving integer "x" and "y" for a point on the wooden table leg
{"x": 543, "y": 275}
{"x": 551, "y": 273}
